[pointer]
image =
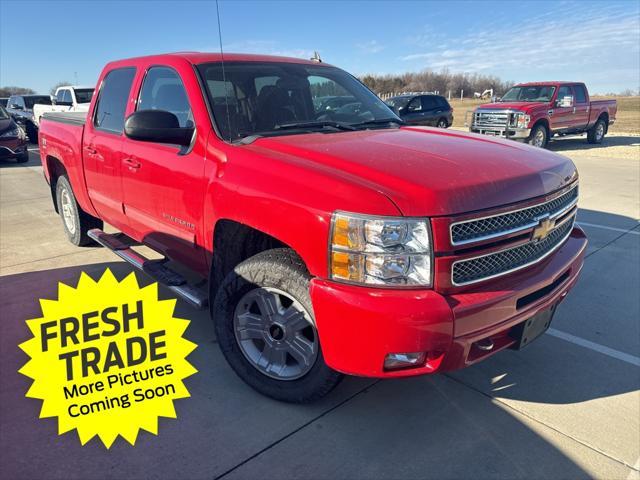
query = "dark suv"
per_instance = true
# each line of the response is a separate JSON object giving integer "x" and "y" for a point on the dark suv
{"x": 423, "y": 109}
{"x": 20, "y": 107}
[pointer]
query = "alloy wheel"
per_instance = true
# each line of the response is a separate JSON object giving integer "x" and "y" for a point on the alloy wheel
{"x": 275, "y": 333}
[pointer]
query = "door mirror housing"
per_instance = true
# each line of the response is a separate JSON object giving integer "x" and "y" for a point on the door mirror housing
{"x": 157, "y": 126}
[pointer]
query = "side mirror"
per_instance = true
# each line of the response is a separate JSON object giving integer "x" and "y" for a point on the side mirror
{"x": 157, "y": 126}
{"x": 15, "y": 106}
{"x": 566, "y": 101}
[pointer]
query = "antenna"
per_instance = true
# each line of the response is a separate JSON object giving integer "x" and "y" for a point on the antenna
{"x": 316, "y": 57}
{"x": 224, "y": 76}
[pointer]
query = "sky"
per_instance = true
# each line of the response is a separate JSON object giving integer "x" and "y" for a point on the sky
{"x": 595, "y": 42}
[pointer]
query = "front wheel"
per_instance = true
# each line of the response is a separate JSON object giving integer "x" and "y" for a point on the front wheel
{"x": 539, "y": 136}
{"x": 266, "y": 328}
{"x": 597, "y": 132}
{"x": 23, "y": 157}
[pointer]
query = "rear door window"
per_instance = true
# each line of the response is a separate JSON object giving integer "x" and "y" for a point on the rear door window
{"x": 429, "y": 103}
{"x": 581, "y": 95}
{"x": 112, "y": 102}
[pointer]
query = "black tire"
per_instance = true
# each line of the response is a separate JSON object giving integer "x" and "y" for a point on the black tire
{"x": 82, "y": 220}
{"x": 23, "y": 157}
{"x": 280, "y": 269}
{"x": 539, "y": 136}
{"x": 32, "y": 132}
{"x": 442, "y": 123}
{"x": 597, "y": 132}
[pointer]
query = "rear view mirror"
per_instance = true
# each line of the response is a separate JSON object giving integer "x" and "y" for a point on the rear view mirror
{"x": 157, "y": 126}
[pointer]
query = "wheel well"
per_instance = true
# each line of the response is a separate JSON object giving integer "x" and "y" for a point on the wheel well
{"x": 605, "y": 117}
{"x": 544, "y": 123}
{"x": 55, "y": 169}
{"x": 234, "y": 242}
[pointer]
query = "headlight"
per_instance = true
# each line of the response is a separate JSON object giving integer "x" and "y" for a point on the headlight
{"x": 520, "y": 120}
{"x": 13, "y": 132}
{"x": 390, "y": 251}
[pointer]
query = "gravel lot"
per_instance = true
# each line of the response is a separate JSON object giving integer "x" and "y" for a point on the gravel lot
{"x": 566, "y": 407}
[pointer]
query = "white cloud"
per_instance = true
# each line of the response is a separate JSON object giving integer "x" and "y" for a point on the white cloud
{"x": 596, "y": 38}
{"x": 371, "y": 46}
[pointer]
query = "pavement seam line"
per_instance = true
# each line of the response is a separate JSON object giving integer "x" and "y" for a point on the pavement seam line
{"x": 610, "y": 242}
{"x": 541, "y": 422}
{"x": 293, "y": 432}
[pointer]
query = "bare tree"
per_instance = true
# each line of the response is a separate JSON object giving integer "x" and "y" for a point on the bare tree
{"x": 58, "y": 85}
{"x": 8, "y": 91}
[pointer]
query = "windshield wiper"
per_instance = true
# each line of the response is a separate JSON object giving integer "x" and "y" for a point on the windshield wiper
{"x": 381, "y": 121}
{"x": 319, "y": 124}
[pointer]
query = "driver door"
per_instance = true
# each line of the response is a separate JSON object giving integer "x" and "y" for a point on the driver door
{"x": 563, "y": 117}
{"x": 163, "y": 184}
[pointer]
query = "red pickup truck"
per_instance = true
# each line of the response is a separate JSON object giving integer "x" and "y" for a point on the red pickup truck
{"x": 535, "y": 112}
{"x": 333, "y": 243}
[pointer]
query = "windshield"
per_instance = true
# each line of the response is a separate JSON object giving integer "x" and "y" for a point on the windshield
{"x": 537, "y": 93}
{"x": 83, "y": 95}
{"x": 398, "y": 102}
{"x": 41, "y": 99}
{"x": 3, "y": 113}
{"x": 255, "y": 98}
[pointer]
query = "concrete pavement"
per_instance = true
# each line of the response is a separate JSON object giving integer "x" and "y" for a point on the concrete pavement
{"x": 554, "y": 410}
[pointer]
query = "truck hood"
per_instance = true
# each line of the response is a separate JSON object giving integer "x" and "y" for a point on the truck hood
{"x": 427, "y": 171}
{"x": 519, "y": 106}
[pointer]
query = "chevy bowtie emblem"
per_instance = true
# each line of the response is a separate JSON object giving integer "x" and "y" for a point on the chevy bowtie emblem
{"x": 543, "y": 229}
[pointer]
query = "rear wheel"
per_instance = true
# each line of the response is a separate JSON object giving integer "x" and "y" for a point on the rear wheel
{"x": 75, "y": 221}
{"x": 597, "y": 132}
{"x": 539, "y": 136}
{"x": 266, "y": 329}
{"x": 442, "y": 123}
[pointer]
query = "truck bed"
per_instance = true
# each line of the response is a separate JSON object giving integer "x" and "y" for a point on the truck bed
{"x": 74, "y": 118}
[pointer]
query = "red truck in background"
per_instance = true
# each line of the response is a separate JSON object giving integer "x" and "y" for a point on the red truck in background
{"x": 535, "y": 112}
{"x": 333, "y": 242}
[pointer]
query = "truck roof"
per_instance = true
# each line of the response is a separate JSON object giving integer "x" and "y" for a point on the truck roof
{"x": 563, "y": 82}
{"x": 204, "y": 57}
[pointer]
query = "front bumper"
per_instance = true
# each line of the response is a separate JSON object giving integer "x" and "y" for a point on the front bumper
{"x": 12, "y": 147}
{"x": 359, "y": 326}
{"x": 513, "y": 132}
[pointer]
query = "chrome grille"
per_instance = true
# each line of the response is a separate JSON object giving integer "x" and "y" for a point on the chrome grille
{"x": 490, "y": 119}
{"x": 496, "y": 225}
{"x": 499, "y": 263}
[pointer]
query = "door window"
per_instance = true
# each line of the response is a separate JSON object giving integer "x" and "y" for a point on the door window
{"x": 429, "y": 103}
{"x": 163, "y": 90}
{"x": 60, "y": 96}
{"x": 66, "y": 96}
{"x": 112, "y": 102}
{"x": 565, "y": 92}
{"x": 415, "y": 105}
{"x": 581, "y": 96}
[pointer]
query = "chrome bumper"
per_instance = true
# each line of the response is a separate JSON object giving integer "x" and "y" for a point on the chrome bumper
{"x": 517, "y": 133}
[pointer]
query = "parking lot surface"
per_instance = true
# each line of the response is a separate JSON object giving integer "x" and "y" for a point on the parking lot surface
{"x": 566, "y": 407}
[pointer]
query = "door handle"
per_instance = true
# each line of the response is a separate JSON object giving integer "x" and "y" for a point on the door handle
{"x": 90, "y": 150}
{"x": 132, "y": 163}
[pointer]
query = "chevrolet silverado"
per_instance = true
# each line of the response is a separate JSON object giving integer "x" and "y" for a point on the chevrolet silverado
{"x": 328, "y": 242}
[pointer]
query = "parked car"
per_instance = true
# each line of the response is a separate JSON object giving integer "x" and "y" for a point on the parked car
{"x": 3, "y": 101}
{"x": 331, "y": 246}
{"x": 424, "y": 109}
{"x": 20, "y": 107}
{"x": 67, "y": 99}
{"x": 13, "y": 140}
{"x": 535, "y": 112}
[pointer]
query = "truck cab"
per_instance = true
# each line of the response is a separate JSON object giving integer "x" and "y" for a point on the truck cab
{"x": 66, "y": 99}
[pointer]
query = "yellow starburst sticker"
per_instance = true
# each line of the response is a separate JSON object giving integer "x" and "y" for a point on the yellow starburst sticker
{"x": 107, "y": 358}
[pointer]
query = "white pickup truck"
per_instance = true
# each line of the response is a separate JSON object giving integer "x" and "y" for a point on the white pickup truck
{"x": 71, "y": 98}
